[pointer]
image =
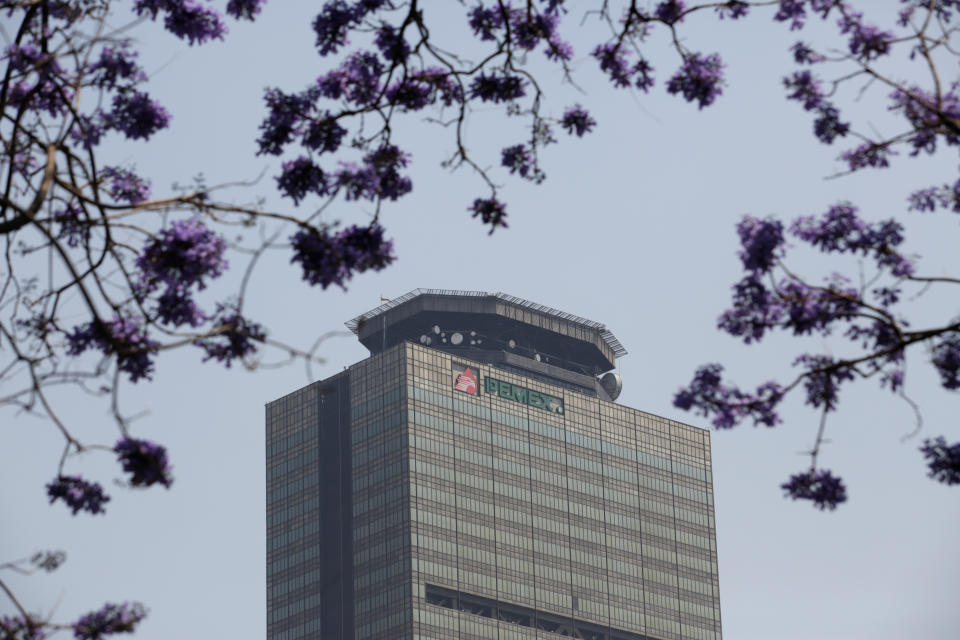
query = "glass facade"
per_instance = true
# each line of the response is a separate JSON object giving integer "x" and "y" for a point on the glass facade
{"x": 490, "y": 515}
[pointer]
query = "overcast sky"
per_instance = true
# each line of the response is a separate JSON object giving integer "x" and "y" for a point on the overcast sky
{"x": 633, "y": 228}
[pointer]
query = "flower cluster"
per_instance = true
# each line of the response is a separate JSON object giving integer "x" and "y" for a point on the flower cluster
{"x": 866, "y": 41}
{"x": 301, "y": 177}
{"x": 699, "y": 78}
{"x": 761, "y": 243}
{"x": 733, "y": 9}
{"x": 21, "y": 628}
{"x": 707, "y": 395}
{"x": 932, "y": 197}
{"x": 840, "y": 230}
{"x": 943, "y": 460}
{"x": 806, "y": 89}
{"x": 577, "y": 120}
{"x": 804, "y": 54}
{"x": 186, "y": 19}
{"x": 868, "y": 154}
{"x": 518, "y": 159}
{"x": 74, "y": 225}
{"x": 116, "y": 67}
{"x": 78, "y": 494}
{"x": 822, "y": 379}
{"x": 494, "y": 87}
{"x": 491, "y": 211}
{"x": 122, "y": 337}
{"x": 336, "y": 19}
{"x": 233, "y": 336}
{"x": 821, "y": 487}
{"x": 334, "y": 259}
{"x": 145, "y": 461}
{"x": 945, "y": 356}
{"x": 112, "y": 618}
{"x": 670, "y": 11}
{"x": 245, "y": 9}
{"x": 136, "y": 115}
{"x": 125, "y": 185}
{"x": 926, "y": 114}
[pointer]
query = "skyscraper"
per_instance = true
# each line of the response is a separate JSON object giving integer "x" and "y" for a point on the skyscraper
{"x": 474, "y": 478}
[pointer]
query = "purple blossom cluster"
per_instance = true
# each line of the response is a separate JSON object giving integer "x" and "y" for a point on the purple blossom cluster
{"x": 232, "y": 338}
{"x": 840, "y": 230}
{"x": 145, "y": 461}
{"x": 74, "y": 225}
{"x": 120, "y": 336}
{"x": 823, "y": 378}
{"x": 945, "y": 356}
{"x": 125, "y": 185}
{"x": 78, "y": 494}
{"x": 700, "y": 79}
{"x": 927, "y": 114}
{"x": 519, "y": 159}
{"x": 392, "y": 45}
{"x": 868, "y": 154}
{"x": 821, "y": 487}
{"x": 577, "y": 120}
{"x": 40, "y": 83}
{"x": 806, "y": 89}
{"x": 116, "y": 68}
{"x": 804, "y": 54}
{"x": 729, "y": 406}
{"x": 490, "y": 211}
{"x": 733, "y": 9}
{"x": 867, "y": 42}
{"x": 21, "y": 628}
{"x": 761, "y": 243}
{"x": 334, "y": 258}
{"x": 497, "y": 87}
{"x": 357, "y": 80}
{"x": 670, "y": 11}
{"x": 189, "y": 20}
{"x": 136, "y": 115}
{"x": 335, "y": 20}
{"x": 245, "y": 9}
{"x": 943, "y": 460}
{"x": 179, "y": 258}
{"x": 110, "y": 619}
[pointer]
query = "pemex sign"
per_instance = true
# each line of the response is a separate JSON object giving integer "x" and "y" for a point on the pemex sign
{"x": 466, "y": 380}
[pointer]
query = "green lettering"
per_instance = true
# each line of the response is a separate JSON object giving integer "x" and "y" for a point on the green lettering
{"x": 490, "y": 385}
{"x": 520, "y": 394}
{"x": 537, "y": 400}
{"x": 505, "y": 389}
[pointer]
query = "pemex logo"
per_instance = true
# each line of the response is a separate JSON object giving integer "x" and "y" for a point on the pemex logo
{"x": 466, "y": 381}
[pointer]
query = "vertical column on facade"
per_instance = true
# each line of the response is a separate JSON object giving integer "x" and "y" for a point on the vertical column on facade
{"x": 638, "y": 541}
{"x": 714, "y": 561}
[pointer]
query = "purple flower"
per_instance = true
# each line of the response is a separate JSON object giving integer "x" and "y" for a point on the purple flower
{"x": 613, "y": 61}
{"x": 301, "y": 177}
{"x": 823, "y": 378}
{"x": 74, "y": 225}
{"x": 21, "y": 628}
{"x": 357, "y": 80}
{"x": 576, "y": 120}
{"x": 491, "y": 212}
{"x": 87, "y": 131}
{"x": 699, "y": 78}
{"x": 182, "y": 255}
{"x": 136, "y": 115}
{"x": 392, "y": 44}
{"x": 946, "y": 358}
{"x": 145, "y": 461}
{"x": 112, "y": 618}
{"x": 485, "y": 21}
{"x": 78, "y": 494}
{"x": 409, "y": 94}
{"x": 324, "y": 135}
{"x": 821, "y": 487}
{"x": 518, "y": 159}
{"x": 126, "y": 185}
{"x": 333, "y": 259}
{"x": 733, "y": 9}
{"x": 233, "y": 336}
{"x": 442, "y": 83}
{"x": 943, "y": 460}
{"x": 868, "y": 154}
{"x": 176, "y": 307}
{"x": 386, "y": 162}
{"x": 245, "y": 9}
{"x": 527, "y": 30}
{"x": 792, "y": 10}
{"x": 186, "y": 19}
{"x": 496, "y": 88}
{"x": 120, "y": 336}
{"x": 866, "y": 42}
{"x": 806, "y": 89}
{"x": 803, "y": 54}
{"x": 729, "y": 406}
{"x": 23, "y": 57}
{"x": 642, "y": 70}
{"x": 332, "y": 24}
{"x": 285, "y": 113}
{"x": 670, "y": 11}
{"x": 762, "y": 242}
{"x": 828, "y": 126}
{"x": 922, "y": 112}
{"x": 755, "y": 310}
{"x": 115, "y": 64}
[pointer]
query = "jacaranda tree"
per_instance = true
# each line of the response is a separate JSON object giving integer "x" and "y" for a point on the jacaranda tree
{"x": 86, "y": 236}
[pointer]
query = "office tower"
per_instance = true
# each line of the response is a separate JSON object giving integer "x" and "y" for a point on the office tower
{"x": 475, "y": 478}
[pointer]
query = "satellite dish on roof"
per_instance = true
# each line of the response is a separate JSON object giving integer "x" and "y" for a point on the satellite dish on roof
{"x": 612, "y": 383}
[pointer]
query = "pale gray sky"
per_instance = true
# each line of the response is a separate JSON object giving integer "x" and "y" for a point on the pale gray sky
{"x": 633, "y": 228}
